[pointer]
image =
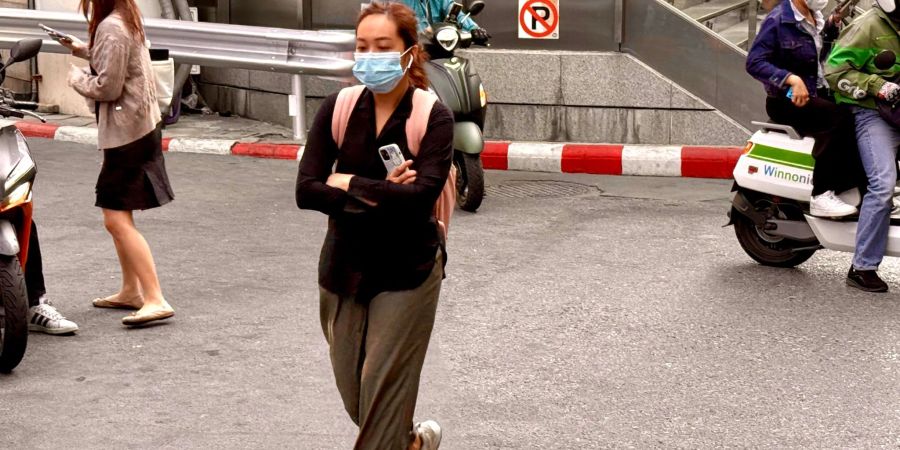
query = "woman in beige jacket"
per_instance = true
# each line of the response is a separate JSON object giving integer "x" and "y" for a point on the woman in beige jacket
{"x": 121, "y": 82}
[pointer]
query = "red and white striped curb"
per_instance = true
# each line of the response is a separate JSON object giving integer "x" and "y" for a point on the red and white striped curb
{"x": 613, "y": 159}
{"x": 598, "y": 159}
{"x": 88, "y": 136}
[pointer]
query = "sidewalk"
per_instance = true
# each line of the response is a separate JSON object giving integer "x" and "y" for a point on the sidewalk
{"x": 243, "y": 137}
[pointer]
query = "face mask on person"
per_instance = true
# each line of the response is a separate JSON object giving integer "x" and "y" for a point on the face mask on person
{"x": 816, "y": 5}
{"x": 380, "y": 72}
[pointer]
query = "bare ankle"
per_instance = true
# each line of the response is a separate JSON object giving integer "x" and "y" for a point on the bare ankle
{"x": 156, "y": 303}
{"x": 124, "y": 296}
{"x": 130, "y": 294}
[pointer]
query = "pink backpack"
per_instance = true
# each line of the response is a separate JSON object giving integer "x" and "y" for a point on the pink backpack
{"x": 416, "y": 126}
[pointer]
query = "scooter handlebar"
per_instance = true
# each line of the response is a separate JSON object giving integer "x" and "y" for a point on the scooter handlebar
{"x": 29, "y": 106}
{"x": 7, "y": 112}
{"x": 19, "y": 113}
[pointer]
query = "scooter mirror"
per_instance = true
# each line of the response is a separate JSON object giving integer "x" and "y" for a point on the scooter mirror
{"x": 24, "y": 50}
{"x": 447, "y": 37}
{"x": 475, "y": 7}
{"x": 885, "y": 59}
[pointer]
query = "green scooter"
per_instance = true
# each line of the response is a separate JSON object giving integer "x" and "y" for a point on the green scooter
{"x": 458, "y": 86}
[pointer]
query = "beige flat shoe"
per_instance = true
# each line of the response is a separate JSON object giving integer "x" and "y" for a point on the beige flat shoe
{"x": 104, "y": 303}
{"x": 137, "y": 318}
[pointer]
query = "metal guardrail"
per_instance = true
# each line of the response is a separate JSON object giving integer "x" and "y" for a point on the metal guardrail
{"x": 720, "y": 12}
{"x": 326, "y": 54}
{"x": 752, "y": 12}
{"x": 749, "y": 7}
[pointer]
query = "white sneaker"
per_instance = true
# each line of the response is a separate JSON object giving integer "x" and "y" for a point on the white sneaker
{"x": 829, "y": 205}
{"x": 430, "y": 433}
{"x": 46, "y": 319}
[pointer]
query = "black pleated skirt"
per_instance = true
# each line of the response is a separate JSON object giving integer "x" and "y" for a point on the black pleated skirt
{"x": 133, "y": 176}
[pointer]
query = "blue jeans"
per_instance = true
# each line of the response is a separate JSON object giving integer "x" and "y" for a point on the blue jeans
{"x": 878, "y": 143}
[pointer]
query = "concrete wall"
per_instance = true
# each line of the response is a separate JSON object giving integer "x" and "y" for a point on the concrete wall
{"x": 18, "y": 77}
{"x": 534, "y": 96}
{"x": 260, "y": 95}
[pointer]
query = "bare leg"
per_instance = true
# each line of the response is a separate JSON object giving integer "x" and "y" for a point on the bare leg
{"x": 134, "y": 254}
{"x": 130, "y": 295}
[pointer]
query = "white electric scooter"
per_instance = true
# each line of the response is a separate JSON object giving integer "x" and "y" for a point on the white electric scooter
{"x": 770, "y": 208}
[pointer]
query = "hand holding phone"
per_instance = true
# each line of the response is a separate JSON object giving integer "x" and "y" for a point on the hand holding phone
{"x": 397, "y": 166}
{"x": 56, "y": 35}
{"x": 391, "y": 156}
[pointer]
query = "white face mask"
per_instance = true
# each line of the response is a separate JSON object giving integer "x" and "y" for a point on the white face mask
{"x": 816, "y": 5}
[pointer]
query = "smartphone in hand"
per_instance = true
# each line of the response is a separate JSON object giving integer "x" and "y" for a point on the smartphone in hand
{"x": 391, "y": 156}
{"x": 56, "y": 35}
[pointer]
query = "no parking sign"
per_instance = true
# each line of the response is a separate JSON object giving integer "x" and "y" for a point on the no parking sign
{"x": 538, "y": 19}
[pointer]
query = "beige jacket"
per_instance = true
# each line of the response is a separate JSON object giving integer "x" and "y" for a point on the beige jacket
{"x": 125, "y": 84}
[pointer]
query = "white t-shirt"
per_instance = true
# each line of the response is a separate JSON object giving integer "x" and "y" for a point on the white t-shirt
{"x": 816, "y": 33}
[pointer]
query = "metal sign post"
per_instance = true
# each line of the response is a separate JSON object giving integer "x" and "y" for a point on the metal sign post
{"x": 298, "y": 107}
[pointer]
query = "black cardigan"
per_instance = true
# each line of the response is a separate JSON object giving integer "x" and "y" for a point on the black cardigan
{"x": 390, "y": 246}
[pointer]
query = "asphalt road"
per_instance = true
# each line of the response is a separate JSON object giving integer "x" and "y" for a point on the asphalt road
{"x": 618, "y": 313}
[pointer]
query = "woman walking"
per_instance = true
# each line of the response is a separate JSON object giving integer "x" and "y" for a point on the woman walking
{"x": 133, "y": 177}
{"x": 382, "y": 264}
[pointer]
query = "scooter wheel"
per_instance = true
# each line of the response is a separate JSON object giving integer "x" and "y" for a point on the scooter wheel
{"x": 14, "y": 316}
{"x": 469, "y": 181}
{"x": 766, "y": 249}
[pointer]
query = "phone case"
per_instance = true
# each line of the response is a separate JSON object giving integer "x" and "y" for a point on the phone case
{"x": 56, "y": 35}
{"x": 391, "y": 156}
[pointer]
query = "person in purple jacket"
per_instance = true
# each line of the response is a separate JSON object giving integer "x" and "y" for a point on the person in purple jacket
{"x": 788, "y": 57}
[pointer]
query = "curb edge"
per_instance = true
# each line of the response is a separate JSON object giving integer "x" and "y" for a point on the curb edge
{"x": 689, "y": 161}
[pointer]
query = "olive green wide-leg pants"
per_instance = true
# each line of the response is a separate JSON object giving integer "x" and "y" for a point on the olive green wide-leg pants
{"x": 377, "y": 351}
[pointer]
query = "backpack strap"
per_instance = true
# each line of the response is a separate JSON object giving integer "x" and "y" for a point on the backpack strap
{"x": 416, "y": 127}
{"x": 343, "y": 107}
{"x": 417, "y": 124}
